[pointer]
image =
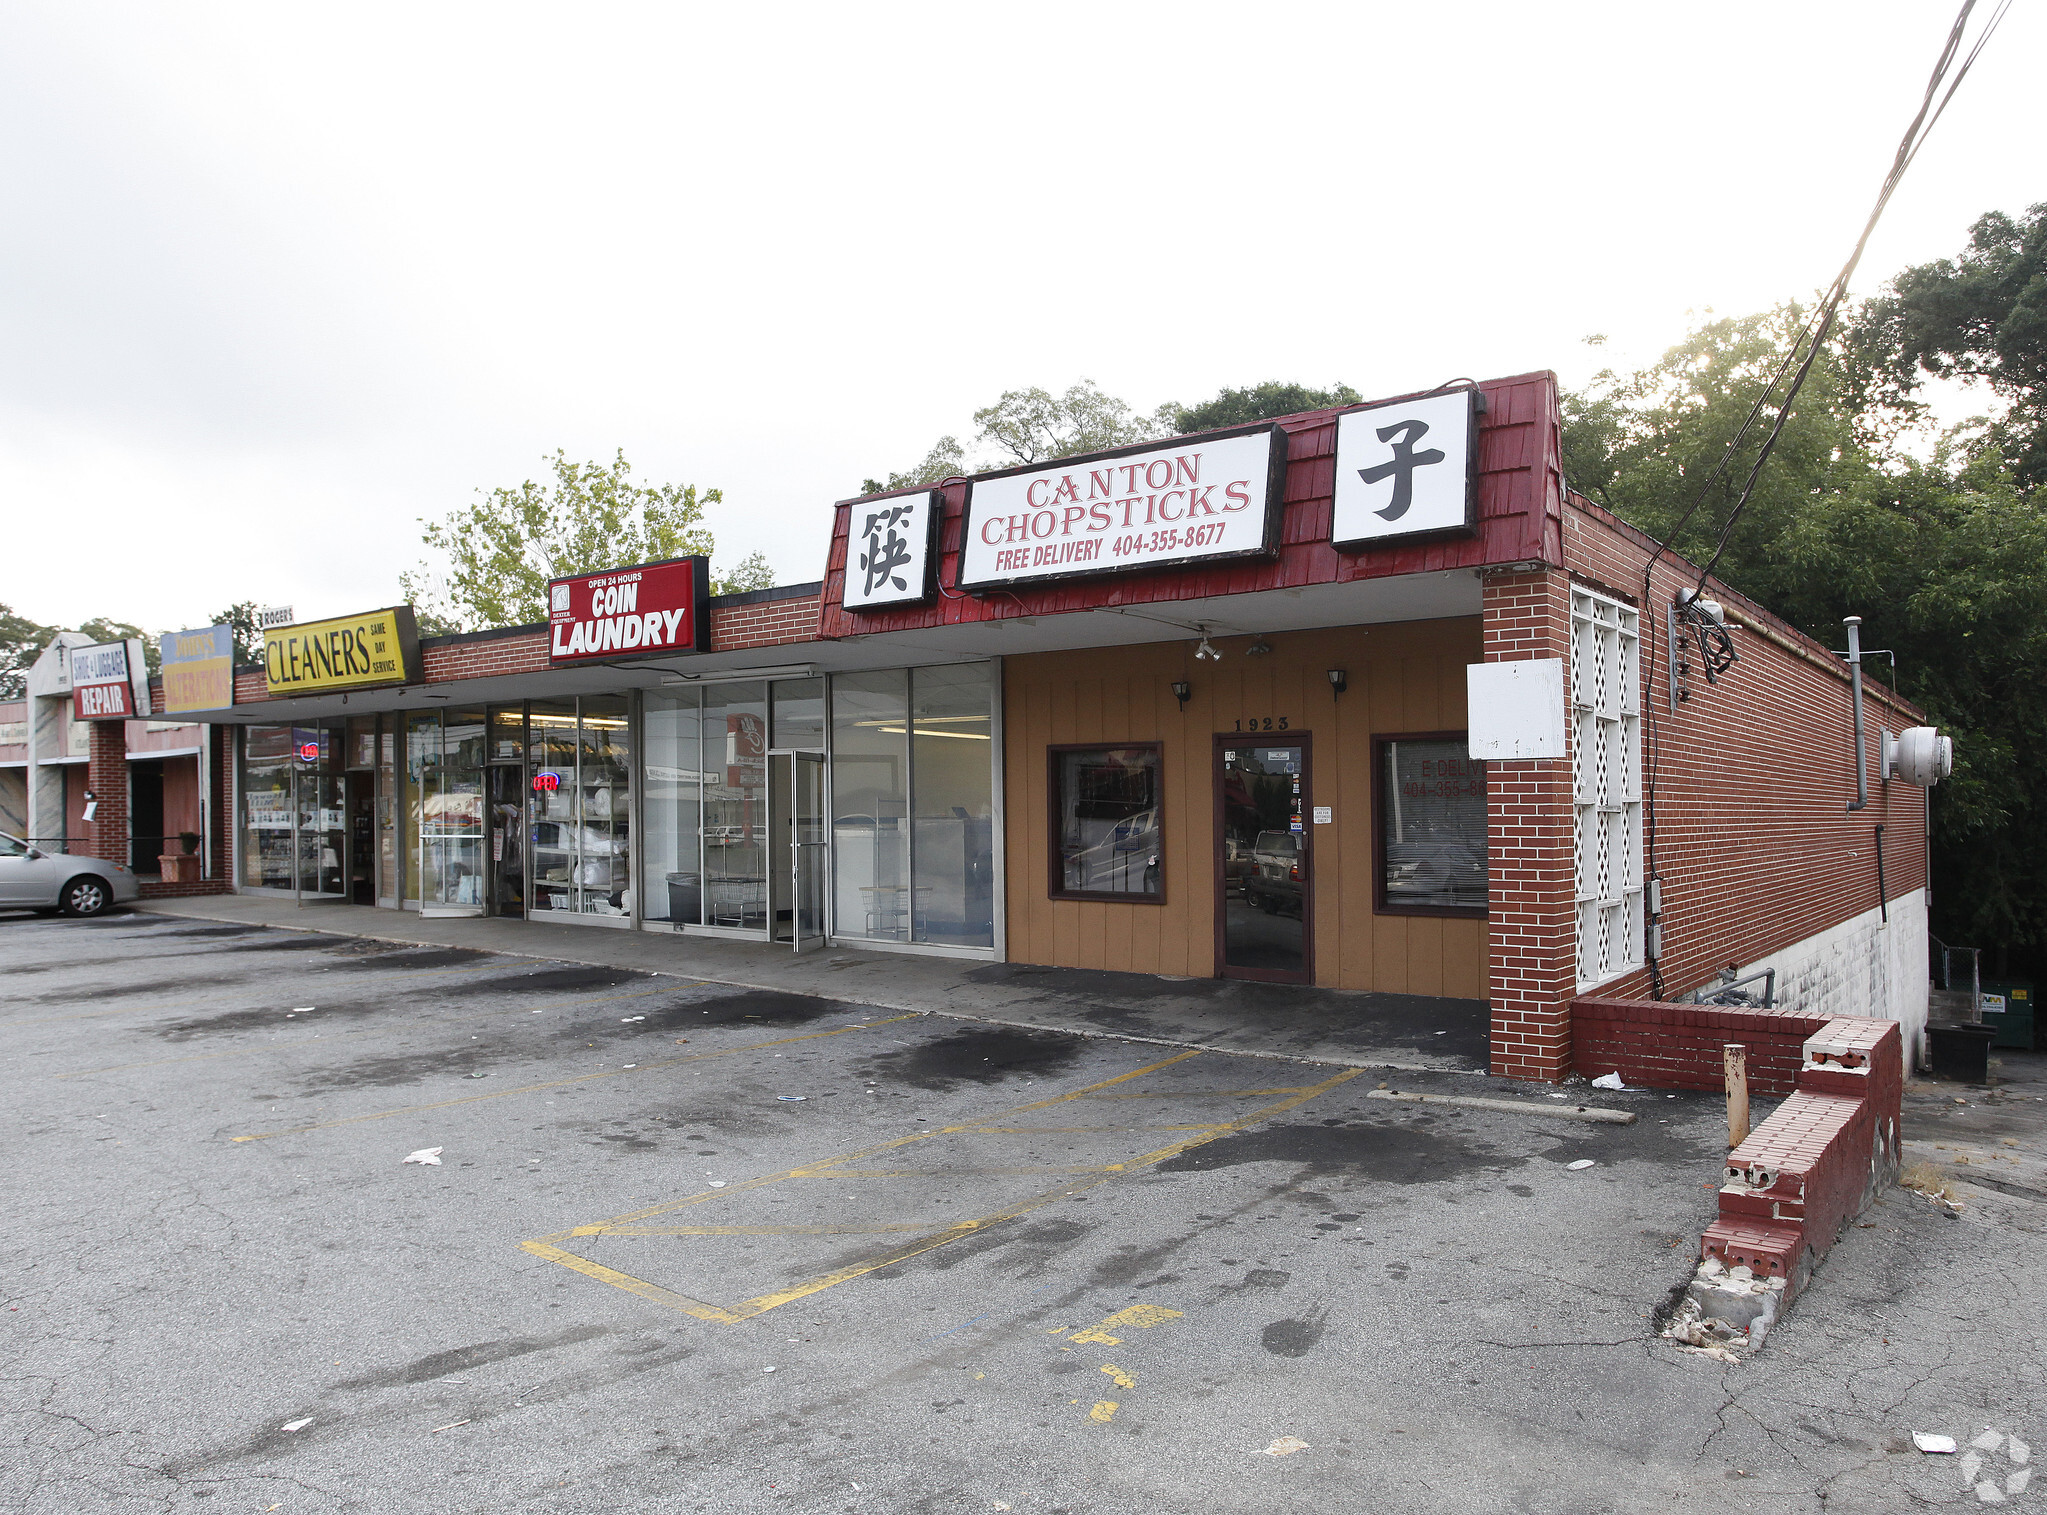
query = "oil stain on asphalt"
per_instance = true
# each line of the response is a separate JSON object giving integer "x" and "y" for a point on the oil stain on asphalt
{"x": 977, "y": 1056}
{"x": 1394, "y": 1154}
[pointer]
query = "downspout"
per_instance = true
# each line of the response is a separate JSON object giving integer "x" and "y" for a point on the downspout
{"x": 1854, "y": 625}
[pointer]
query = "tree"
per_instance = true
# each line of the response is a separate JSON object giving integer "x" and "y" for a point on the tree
{"x": 100, "y": 629}
{"x": 21, "y": 642}
{"x": 1035, "y": 426}
{"x": 240, "y": 619}
{"x": 1261, "y": 402}
{"x": 1945, "y": 559}
{"x": 1981, "y": 317}
{"x": 499, "y": 553}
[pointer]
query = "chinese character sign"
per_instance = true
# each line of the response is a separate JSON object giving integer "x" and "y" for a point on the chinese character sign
{"x": 889, "y": 560}
{"x": 1404, "y": 468}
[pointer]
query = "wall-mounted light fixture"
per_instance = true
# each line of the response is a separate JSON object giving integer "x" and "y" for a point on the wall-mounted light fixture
{"x": 1181, "y": 692}
{"x": 1339, "y": 680}
{"x": 1206, "y": 651}
{"x": 1258, "y": 648}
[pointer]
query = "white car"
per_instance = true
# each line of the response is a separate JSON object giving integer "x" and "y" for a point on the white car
{"x": 31, "y": 878}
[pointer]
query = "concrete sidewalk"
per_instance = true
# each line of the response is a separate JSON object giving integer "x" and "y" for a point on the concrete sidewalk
{"x": 1404, "y": 1031}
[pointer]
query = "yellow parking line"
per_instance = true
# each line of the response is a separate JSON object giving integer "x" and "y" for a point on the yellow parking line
{"x": 951, "y": 1172}
{"x": 1201, "y": 1093}
{"x": 562, "y": 1083}
{"x": 1064, "y": 1130}
{"x": 748, "y": 1309}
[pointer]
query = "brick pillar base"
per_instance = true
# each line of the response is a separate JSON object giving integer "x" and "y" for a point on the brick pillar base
{"x": 107, "y": 777}
{"x": 1532, "y": 915}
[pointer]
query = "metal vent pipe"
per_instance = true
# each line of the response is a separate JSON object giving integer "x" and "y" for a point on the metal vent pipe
{"x": 1854, "y": 625}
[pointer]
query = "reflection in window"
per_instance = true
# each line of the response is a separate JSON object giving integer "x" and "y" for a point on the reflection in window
{"x": 735, "y": 764}
{"x": 672, "y": 870}
{"x": 1432, "y": 827}
{"x": 952, "y": 721}
{"x": 1106, "y": 840}
{"x": 870, "y": 804}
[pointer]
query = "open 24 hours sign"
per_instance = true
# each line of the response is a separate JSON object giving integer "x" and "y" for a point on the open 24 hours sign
{"x": 1150, "y": 506}
{"x": 629, "y": 612}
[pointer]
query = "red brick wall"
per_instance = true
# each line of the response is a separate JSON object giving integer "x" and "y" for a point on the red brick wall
{"x": 1531, "y": 915}
{"x": 1665, "y": 1046}
{"x": 765, "y": 623}
{"x": 1755, "y": 846}
{"x": 107, "y": 777}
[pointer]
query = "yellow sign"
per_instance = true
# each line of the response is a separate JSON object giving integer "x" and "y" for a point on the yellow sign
{"x": 349, "y": 652}
{"x": 198, "y": 669}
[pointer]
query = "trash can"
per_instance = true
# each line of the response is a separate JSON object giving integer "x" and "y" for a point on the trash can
{"x": 1960, "y": 1050}
{"x": 2008, "y": 1012}
{"x": 685, "y": 898}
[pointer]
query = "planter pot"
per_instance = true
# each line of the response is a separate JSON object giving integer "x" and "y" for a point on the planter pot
{"x": 178, "y": 867}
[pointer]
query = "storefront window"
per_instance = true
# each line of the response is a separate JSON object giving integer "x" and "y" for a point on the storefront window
{"x": 387, "y": 810}
{"x": 266, "y": 807}
{"x": 1432, "y": 827}
{"x": 580, "y": 757}
{"x": 798, "y": 719}
{"x": 951, "y": 776}
{"x": 1106, "y": 840}
{"x": 871, "y": 805}
{"x": 422, "y": 750}
{"x": 735, "y": 767}
{"x": 671, "y": 848}
{"x": 451, "y": 836}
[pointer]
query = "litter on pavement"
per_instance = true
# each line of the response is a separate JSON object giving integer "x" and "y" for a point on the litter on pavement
{"x": 1928, "y": 1443}
{"x": 428, "y": 1157}
{"x": 1283, "y": 1446}
{"x": 1583, "y": 1162}
{"x": 1608, "y": 1081}
{"x": 716, "y": 1183}
{"x": 296, "y": 1425}
{"x": 792, "y": 1099}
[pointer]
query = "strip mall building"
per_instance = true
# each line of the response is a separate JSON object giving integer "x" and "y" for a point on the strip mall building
{"x": 1365, "y": 699}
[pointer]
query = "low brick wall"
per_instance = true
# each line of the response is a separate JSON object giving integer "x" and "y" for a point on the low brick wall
{"x": 1666, "y": 1046}
{"x": 1825, "y": 1153}
{"x": 153, "y": 890}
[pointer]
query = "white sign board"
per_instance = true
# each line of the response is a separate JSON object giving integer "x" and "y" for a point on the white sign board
{"x": 1405, "y": 468}
{"x": 1515, "y": 710}
{"x": 270, "y": 617}
{"x": 891, "y": 551}
{"x": 101, "y": 663}
{"x": 1187, "y": 501}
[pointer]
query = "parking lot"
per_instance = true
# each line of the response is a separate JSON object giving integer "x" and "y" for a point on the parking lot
{"x": 692, "y": 1246}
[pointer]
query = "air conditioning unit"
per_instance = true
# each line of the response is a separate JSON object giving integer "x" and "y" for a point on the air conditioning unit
{"x": 1919, "y": 755}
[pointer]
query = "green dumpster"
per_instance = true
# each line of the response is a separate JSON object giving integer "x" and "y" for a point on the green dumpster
{"x": 2008, "y": 1011}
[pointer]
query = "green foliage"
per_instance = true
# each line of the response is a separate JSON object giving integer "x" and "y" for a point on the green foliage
{"x": 1036, "y": 426}
{"x": 100, "y": 629}
{"x": 1261, "y": 402}
{"x": 21, "y": 642}
{"x": 1945, "y": 559}
{"x": 498, "y": 553}
{"x": 240, "y": 619}
{"x": 1979, "y": 317}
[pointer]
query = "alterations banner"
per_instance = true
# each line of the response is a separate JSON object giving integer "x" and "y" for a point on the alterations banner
{"x": 627, "y": 612}
{"x": 198, "y": 669}
{"x": 1154, "y": 506}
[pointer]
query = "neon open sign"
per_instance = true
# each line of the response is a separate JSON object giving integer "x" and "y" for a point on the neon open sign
{"x": 545, "y": 782}
{"x": 309, "y": 752}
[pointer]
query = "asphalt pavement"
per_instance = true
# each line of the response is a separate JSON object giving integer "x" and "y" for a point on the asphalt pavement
{"x": 691, "y": 1245}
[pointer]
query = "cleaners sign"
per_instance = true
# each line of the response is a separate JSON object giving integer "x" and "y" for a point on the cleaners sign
{"x": 629, "y": 612}
{"x": 1153, "y": 506}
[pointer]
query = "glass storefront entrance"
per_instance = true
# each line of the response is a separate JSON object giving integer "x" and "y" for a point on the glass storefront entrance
{"x": 796, "y": 810}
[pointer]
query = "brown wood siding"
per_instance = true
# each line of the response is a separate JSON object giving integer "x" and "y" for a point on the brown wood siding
{"x": 1404, "y": 678}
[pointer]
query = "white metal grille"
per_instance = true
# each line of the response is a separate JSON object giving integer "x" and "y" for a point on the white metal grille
{"x": 1606, "y": 784}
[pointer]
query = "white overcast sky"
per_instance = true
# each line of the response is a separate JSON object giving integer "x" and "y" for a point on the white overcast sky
{"x": 278, "y": 280}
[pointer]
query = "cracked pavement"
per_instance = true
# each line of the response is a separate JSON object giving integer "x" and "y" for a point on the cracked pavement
{"x": 1150, "y": 1266}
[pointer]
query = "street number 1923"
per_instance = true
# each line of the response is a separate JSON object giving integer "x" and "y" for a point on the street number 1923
{"x": 1264, "y": 723}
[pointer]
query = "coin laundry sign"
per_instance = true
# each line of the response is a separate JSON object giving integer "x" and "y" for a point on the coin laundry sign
{"x": 650, "y": 607}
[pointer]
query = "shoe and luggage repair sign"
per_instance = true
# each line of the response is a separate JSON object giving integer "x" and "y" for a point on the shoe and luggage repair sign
{"x": 628, "y": 612}
{"x": 109, "y": 681}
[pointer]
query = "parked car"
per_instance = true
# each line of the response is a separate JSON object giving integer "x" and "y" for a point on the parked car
{"x": 37, "y": 880}
{"x": 1274, "y": 883}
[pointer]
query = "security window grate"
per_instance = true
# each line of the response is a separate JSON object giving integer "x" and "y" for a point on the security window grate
{"x": 1606, "y": 784}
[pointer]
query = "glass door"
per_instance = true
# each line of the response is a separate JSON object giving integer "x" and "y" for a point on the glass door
{"x": 453, "y": 832}
{"x": 508, "y": 838}
{"x": 809, "y": 864}
{"x": 1264, "y": 890}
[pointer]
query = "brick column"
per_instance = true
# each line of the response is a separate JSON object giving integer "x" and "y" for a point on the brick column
{"x": 107, "y": 777}
{"x": 1532, "y": 919}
